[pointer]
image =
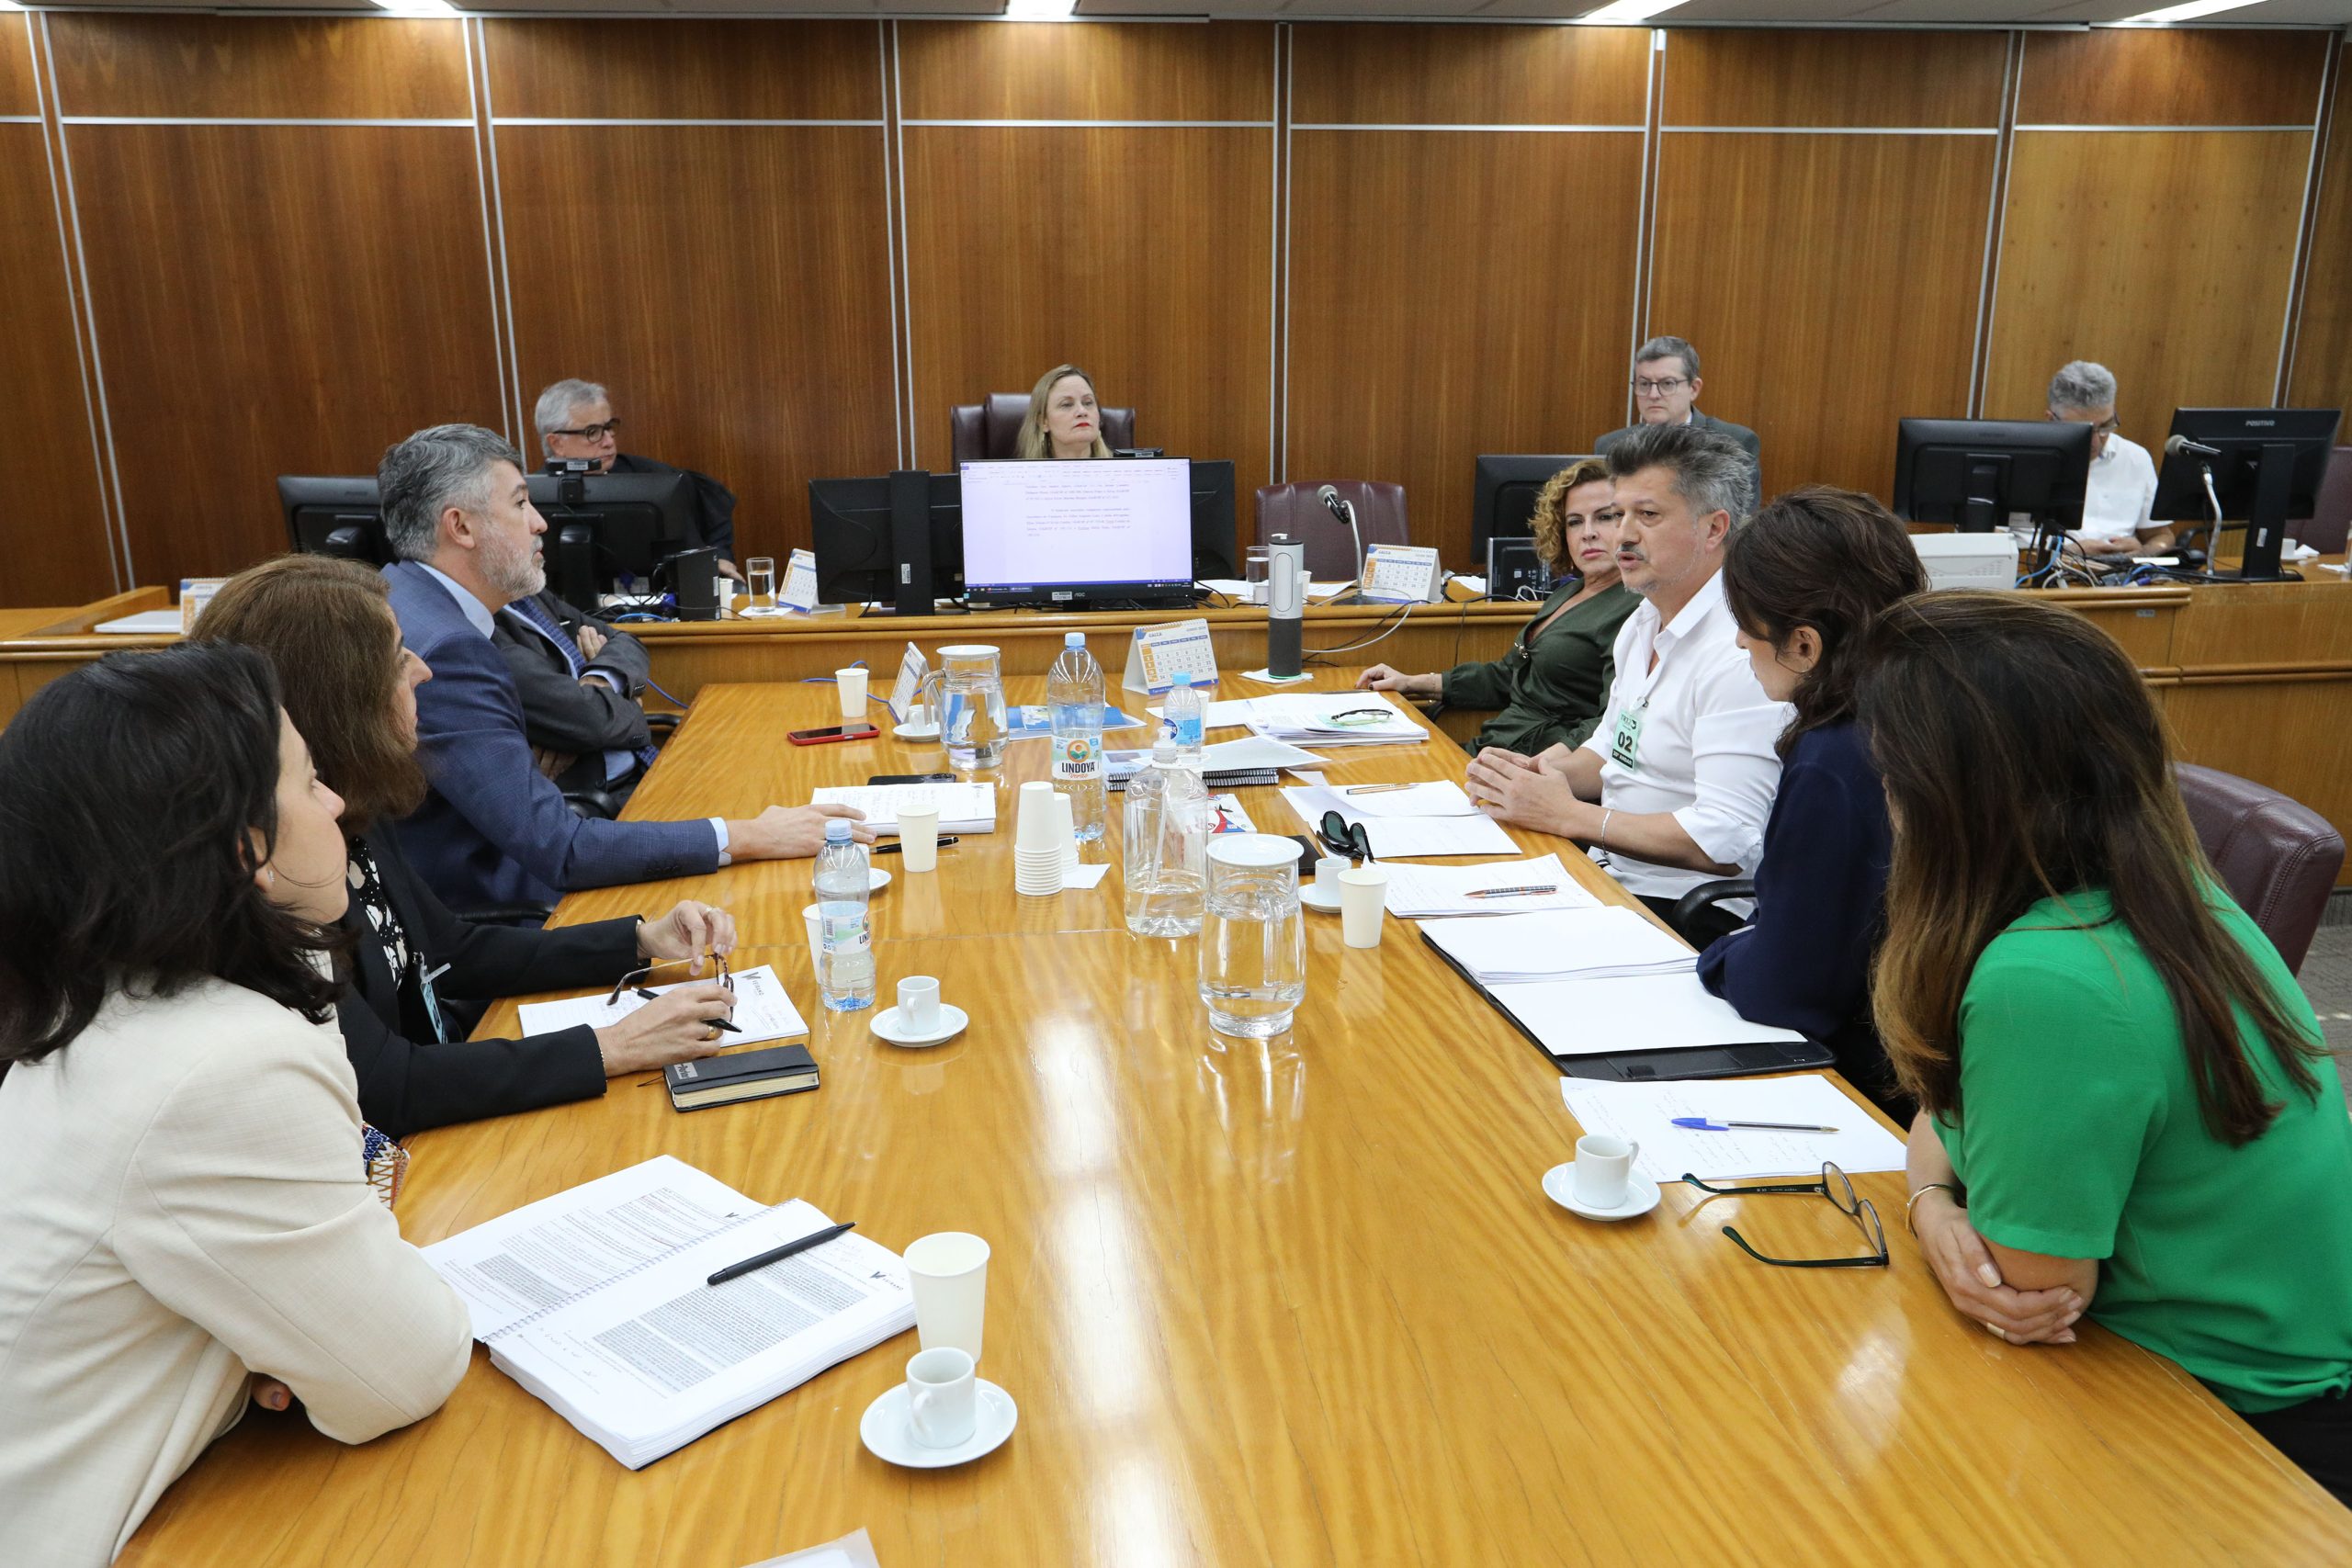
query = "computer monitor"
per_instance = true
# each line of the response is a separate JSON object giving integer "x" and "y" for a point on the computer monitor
{"x": 1078, "y": 536}
{"x": 861, "y": 557}
{"x": 334, "y": 516}
{"x": 2262, "y": 464}
{"x": 604, "y": 529}
{"x": 1982, "y": 474}
{"x": 1503, "y": 492}
{"x": 1217, "y": 550}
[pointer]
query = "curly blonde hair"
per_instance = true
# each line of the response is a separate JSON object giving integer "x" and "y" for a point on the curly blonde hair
{"x": 1551, "y": 533}
{"x": 1034, "y": 443}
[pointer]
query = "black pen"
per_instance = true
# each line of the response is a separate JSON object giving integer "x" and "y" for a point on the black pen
{"x": 714, "y": 1022}
{"x": 737, "y": 1271}
{"x": 893, "y": 849}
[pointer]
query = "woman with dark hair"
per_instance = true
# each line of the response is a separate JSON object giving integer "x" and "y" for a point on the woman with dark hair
{"x": 183, "y": 1191}
{"x": 1549, "y": 689}
{"x": 2125, "y": 1106}
{"x": 1802, "y": 579}
{"x": 351, "y": 688}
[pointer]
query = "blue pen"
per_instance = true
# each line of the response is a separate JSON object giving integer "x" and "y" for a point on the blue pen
{"x": 1704, "y": 1125}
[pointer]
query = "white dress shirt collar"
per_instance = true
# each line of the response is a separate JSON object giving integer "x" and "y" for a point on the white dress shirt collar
{"x": 477, "y": 614}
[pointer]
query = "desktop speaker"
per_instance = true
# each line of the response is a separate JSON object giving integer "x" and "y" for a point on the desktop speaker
{"x": 693, "y": 577}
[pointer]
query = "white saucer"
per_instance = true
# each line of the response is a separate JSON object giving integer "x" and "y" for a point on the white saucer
{"x": 1641, "y": 1194}
{"x": 876, "y": 879}
{"x": 1312, "y": 898}
{"x": 883, "y": 1430}
{"x": 927, "y": 731}
{"x": 953, "y": 1020}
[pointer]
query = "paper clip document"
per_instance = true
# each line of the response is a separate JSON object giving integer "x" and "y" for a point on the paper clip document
{"x": 1334, "y": 719}
{"x": 1644, "y": 1113}
{"x": 763, "y": 1010}
{"x": 1426, "y": 892}
{"x": 1632, "y": 1012}
{"x": 1561, "y": 944}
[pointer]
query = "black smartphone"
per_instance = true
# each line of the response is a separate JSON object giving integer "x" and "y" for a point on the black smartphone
{"x": 1309, "y": 852}
{"x": 912, "y": 778}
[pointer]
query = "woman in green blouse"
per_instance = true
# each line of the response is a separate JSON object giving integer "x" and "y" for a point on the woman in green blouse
{"x": 2127, "y": 1115}
{"x": 1551, "y": 686}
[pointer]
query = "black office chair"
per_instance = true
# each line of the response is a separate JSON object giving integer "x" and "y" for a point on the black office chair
{"x": 993, "y": 429}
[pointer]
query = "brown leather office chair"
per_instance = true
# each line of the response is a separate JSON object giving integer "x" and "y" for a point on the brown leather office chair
{"x": 993, "y": 429}
{"x": 1293, "y": 509}
{"x": 2331, "y": 517}
{"x": 2277, "y": 857}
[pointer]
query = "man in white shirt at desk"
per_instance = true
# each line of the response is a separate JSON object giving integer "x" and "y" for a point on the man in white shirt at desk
{"x": 2123, "y": 486}
{"x": 1673, "y": 788}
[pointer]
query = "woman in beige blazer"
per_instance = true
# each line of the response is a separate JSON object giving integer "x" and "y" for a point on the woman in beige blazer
{"x": 183, "y": 1208}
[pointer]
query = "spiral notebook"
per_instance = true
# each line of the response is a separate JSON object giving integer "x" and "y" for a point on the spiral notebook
{"x": 595, "y": 1300}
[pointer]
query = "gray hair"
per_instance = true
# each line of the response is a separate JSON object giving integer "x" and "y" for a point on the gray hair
{"x": 434, "y": 469}
{"x": 1669, "y": 348}
{"x": 1711, "y": 471}
{"x": 553, "y": 411}
{"x": 2082, "y": 385}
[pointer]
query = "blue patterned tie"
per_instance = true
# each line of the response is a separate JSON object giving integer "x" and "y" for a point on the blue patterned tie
{"x": 531, "y": 610}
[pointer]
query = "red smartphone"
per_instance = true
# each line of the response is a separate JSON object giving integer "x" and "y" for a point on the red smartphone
{"x": 826, "y": 736}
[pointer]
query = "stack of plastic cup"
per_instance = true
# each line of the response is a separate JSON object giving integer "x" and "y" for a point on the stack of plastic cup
{"x": 1038, "y": 837}
{"x": 1066, "y": 830}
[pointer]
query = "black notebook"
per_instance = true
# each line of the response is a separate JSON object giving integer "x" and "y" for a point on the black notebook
{"x": 746, "y": 1074}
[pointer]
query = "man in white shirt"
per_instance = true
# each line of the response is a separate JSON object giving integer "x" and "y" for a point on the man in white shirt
{"x": 2123, "y": 485}
{"x": 1673, "y": 788}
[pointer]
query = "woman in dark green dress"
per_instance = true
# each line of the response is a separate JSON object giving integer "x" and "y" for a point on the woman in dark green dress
{"x": 1550, "y": 688}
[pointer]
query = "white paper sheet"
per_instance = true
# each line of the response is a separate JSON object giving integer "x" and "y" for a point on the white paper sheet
{"x": 1425, "y": 892}
{"x": 963, "y": 807}
{"x": 1561, "y": 944}
{"x": 1085, "y": 876}
{"x": 1644, "y": 1113}
{"x": 1404, "y": 838}
{"x": 1636, "y": 1012}
{"x": 762, "y": 1010}
{"x": 1437, "y": 797}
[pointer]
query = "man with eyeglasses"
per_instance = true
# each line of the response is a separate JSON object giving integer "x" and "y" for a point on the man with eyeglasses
{"x": 2123, "y": 486}
{"x": 1666, "y": 392}
{"x": 575, "y": 419}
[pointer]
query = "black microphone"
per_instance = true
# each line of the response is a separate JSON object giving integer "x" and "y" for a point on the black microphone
{"x": 2179, "y": 446}
{"x": 1346, "y": 513}
{"x": 1329, "y": 497}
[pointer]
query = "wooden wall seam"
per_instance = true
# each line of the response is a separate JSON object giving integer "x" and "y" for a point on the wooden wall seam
{"x": 2314, "y": 178}
{"x": 886, "y": 56}
{"x": 1645, "y": 225}
{"x": 492, "y": 244}
{"x": 1277, "y": 265}
{"x": 503, "y": 348}
{"x": 1996, "y": 210}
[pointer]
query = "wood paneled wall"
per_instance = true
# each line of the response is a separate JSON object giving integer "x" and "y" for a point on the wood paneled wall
{"x": 1325, "y": 251}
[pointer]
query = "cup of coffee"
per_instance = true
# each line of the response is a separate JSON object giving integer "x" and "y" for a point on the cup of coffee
{"x": 1605, "y": 1170}
{"x": 943, "y": 1397}
{"x": 948, "y": 1273}
{"x": 1363, "y": 890}
{"x": 851, "y": 685}
{"x": 919, "y": 1004}
{"x": 1326, "y": 878}
{"x": 919, "y": 837}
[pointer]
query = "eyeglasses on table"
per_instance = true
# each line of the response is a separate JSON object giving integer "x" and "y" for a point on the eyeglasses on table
{"x": 1834, "y": 1185}
{"x": 635, "y": 980}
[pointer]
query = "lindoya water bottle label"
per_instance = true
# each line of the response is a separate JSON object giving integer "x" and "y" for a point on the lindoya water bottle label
{"x": 843, "y": 933}
{"x": 1076, "y": 757}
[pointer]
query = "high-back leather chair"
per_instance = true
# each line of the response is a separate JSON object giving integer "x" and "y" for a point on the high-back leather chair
{"x": 2277, "y": 857}
{"x": 2331, "y": 517}
{"x": 993, "y": 429}
{"x": 1293, "y": 509}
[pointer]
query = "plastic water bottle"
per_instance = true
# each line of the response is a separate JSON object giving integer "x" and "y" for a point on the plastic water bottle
{"x": 1074, "y": 696}
{"x": 1183, "y": 718}
{"x": 1167, "y": 846}
{"x": 845, "y": 982}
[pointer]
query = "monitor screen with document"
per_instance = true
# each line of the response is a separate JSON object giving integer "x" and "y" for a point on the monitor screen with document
{"x": 1077, "y": 534}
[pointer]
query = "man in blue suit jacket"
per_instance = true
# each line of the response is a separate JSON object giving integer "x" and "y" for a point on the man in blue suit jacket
{"x": 494, "y": 830}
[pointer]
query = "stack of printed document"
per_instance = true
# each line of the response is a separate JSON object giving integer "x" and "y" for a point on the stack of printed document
{"x": 1560, "y": 945}
{"x": 1333, "y": 718}
{"x": 763, "y": 1010}
{"x": 597, "y": 1301}
{"x": 963, "y": 807}
{"x": 1465, "y": 831}
{"x": 1490, "y": 887}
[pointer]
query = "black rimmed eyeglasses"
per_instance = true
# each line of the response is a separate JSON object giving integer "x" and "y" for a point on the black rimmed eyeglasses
{"x": 635, "y": 980}
{"x": 1345, "y": 838}
{"x": 1834, "y": 1185}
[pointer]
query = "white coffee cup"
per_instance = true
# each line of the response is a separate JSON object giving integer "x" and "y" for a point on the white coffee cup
{"x": 851, "y": 684}
{"x": 1604, "y": 1169}
{"x": 1033, "y": 829}
{"x": 1363, "y": 890}
{"x": 919, "y": 837}
{"x": 943, "y": 1397}
{"x": 809, "y": 917}
{"x": 1326, "y": 876}
{"x": 948, "y": 1272}
{"x": 919, "y": 1004}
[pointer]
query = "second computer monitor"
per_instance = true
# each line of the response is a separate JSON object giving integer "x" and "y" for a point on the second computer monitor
{"x": 1982, "y": 474}
{"x": 1503, "y": 494}
{"x": 1075, "y": 535}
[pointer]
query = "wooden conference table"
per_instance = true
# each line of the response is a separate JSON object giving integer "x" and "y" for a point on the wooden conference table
{"x": 1291, "y": 1302}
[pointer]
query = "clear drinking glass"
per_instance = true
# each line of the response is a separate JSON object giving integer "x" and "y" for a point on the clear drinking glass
{"x": 1254, "y": 938}
{"x": 759, "y": 573}
{"x": 1256, "y": 569}
{"x": 970, "y": 699}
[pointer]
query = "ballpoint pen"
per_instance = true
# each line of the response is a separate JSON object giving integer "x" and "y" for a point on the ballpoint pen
{"x": 1507, "y": 892}
{"x": 1374, "y": 789}
{"x": 1705, "y": 1125}
{"x": 777, "y": 1255}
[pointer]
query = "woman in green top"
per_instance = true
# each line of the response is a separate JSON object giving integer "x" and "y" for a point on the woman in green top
{"x": 1551, "y": 686}
{"x": 2127, "y": 1110}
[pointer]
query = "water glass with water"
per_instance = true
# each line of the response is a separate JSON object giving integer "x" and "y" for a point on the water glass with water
{"x": 967, "y": 691}
{"x": 1254, "y": 937}
{"x": 759, "y": 574}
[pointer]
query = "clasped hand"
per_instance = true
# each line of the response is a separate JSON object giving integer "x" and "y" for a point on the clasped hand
{"x": 1523, "y": 791}
{"x": 1964, "y": 1267}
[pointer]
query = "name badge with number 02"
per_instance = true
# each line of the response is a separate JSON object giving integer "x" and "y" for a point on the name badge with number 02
{"x": 1625, "y": 746}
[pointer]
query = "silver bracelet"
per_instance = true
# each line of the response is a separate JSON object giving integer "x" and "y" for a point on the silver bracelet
{"x": 1605, "y": 813}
